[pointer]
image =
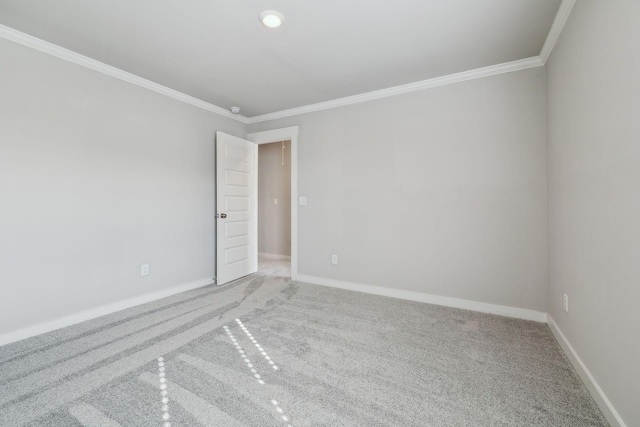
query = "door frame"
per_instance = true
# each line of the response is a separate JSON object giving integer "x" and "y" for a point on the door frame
{"x": 277, "y": 135}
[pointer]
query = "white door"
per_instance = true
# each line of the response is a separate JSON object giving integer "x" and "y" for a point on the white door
{"x": 236, "y": 208}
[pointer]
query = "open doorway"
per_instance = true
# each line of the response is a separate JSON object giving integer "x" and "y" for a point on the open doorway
{"x": 274, "y": 208}
{"x": 278, "y": 135}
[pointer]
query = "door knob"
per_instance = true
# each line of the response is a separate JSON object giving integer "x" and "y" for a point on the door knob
{"x": 222, "y": 215}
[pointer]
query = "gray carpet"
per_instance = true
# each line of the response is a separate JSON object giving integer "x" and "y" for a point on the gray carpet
{"x": 263, "y": 351}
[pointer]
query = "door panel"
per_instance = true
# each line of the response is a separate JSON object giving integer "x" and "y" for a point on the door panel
{"x": 236, "y": 206}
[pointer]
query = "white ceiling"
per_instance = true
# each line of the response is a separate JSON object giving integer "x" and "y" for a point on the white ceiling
{"x": 218, "y": 51}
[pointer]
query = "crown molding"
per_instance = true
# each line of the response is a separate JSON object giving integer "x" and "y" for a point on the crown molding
{"x": 478, "y": 73}
{"x": 556, "y": 28}
{"x": 84, "y": 61}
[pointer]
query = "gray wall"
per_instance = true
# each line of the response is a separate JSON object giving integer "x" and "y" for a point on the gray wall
{"x": 274, "y": 182}
{"x": 441, "y": 191}
{"x": 97, "y": 176}
{"x": 594, "y": 203}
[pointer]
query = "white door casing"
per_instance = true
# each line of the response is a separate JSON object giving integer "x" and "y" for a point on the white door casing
{"x": 236, "y": 208}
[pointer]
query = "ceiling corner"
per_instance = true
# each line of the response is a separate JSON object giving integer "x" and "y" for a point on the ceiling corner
{"x": 556, "y": 29}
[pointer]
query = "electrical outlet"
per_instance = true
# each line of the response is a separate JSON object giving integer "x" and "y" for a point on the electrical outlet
{"x": 565, "y": 302}
{"x": 334, "y": 259}
{"x": 302, "y": 200}
{"x": 275, "y": 202}
{"x": 144, "y": 270}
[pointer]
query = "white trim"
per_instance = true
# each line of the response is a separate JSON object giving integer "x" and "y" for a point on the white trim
{"x": 274, "y": 256}
{"x": 478, "y": 73}
{"x": 254, "y": 211}
{"x": 84, "y": 61}
{"x": 502, "y": 310}
{"x": 274, "y": 135}
{"x": 601, "y": 399}
{"x": 556, "y": 28}
{"x": 291, "y": 134}
{"x": 98, "y": 312}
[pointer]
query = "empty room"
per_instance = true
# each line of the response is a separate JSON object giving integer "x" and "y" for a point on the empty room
{"x": 296, "y": 213}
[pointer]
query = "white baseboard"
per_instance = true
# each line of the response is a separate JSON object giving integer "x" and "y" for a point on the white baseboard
{"x": 601, "y": 399}
{"x": 502, "y": 310}
{"x": 596, "y": 392}
{"x": 273, "y": 256}
{"x": 97, "y": 312}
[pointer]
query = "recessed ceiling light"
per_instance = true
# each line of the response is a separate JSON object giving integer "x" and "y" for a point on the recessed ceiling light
{"x": 271, "y": 18}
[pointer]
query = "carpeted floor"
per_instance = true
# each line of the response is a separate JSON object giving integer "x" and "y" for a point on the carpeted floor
{"x": 263, "y": 351}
